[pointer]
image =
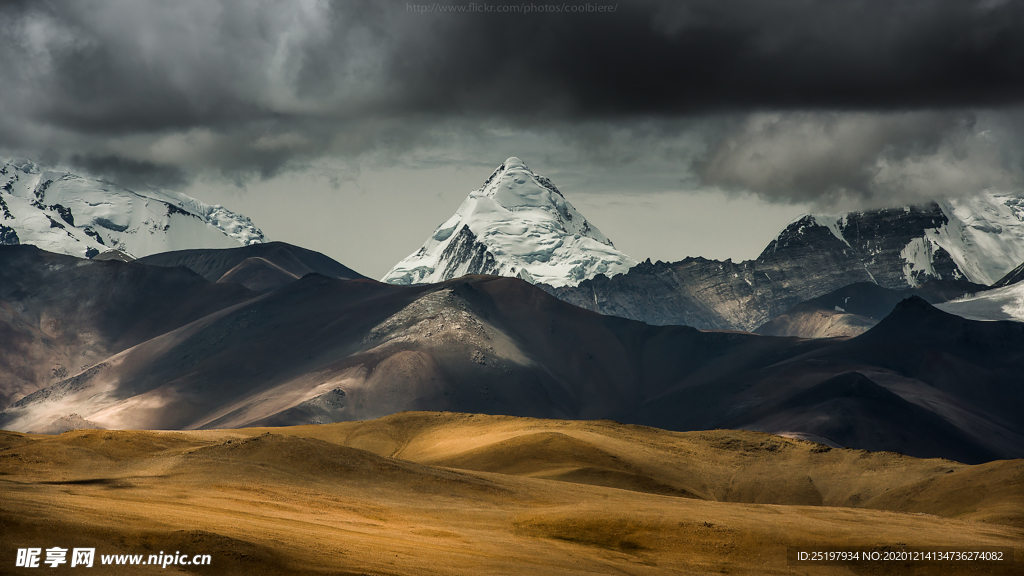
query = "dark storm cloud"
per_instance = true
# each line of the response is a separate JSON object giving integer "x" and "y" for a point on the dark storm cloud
{"x": 127, "y": 172}
{"x": 257, "y": 87}
{"x": 864, "y": 158}
{"x": 684, "y": 57}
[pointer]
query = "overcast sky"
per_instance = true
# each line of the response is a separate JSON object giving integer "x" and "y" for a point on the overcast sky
{"x": 679, "y": 128}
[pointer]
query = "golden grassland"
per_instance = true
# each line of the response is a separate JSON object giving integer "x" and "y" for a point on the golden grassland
{"x": 441, "y": 493}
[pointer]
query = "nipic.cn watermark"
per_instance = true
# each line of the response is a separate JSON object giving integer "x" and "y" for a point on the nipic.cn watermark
{"x": 86, "y": 557}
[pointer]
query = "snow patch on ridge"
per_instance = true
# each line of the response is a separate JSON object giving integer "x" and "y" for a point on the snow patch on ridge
{"x": 833, "y": 223}
{"x": 918, "y": 257}
{"x": 1006, "y": 303}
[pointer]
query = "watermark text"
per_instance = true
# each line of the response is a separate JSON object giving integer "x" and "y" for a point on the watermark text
{"x": 523, "y": 8}
{"x": 85, "y": 557}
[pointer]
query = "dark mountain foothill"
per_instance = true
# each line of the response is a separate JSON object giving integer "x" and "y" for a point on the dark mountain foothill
{"x": 852, "y": 309}
{"x": 260, "y": 267}
{"x": 320, "y": 349}
{"x": 60, "y": 314}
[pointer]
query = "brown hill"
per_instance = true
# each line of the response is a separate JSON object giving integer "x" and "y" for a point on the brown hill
{"x": 333, "y": 499}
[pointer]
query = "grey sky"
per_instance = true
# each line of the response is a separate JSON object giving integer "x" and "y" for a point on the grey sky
{"x": 381, "y": 214}
{"x": 755, "y": 109}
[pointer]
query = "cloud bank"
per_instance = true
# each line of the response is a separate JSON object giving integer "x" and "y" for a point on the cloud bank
{"x": 795, "y": 100}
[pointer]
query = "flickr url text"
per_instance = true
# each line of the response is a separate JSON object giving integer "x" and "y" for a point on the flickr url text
{"x": 525, "y": 8}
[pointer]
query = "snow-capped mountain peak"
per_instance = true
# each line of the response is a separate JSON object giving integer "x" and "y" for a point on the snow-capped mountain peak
{"x": 977, "y": 238}
{"x": 70, "y": 214}
{"x": 517, "y": 224}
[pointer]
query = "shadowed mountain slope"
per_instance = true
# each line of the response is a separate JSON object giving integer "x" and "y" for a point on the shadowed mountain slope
{"x": 325, "y": 350}
{"x": 965, "y": 372}
{"x": 60, "y": 314}
{"x": 852, "y": 410}
{"x": 853, "y": 309}
{"x": 979, "y": 362}
{"x": 260, "y": 267}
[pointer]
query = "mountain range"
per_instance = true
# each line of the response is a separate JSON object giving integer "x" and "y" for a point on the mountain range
{"x": 324, "y": 349}
{"x": 853, "y": 346}
{"x": 518, "y": 224}
{"x": 965, "y": 245}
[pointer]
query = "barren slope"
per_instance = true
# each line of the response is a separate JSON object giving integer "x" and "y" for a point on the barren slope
{"x": 716, "y": 465}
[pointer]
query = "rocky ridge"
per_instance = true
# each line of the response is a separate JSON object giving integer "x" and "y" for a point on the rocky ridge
{"x": 895, "y": 248}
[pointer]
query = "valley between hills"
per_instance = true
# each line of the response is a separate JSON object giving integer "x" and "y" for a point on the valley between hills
{"x": 448, "y": 493}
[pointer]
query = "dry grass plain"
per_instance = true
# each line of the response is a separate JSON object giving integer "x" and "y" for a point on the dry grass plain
{"x": 446, "y": 494}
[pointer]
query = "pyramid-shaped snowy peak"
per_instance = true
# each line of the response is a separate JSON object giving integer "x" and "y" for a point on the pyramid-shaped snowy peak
{"x": 517, "y": 224}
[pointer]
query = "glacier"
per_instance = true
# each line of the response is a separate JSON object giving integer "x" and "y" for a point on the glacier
{"x": 66, "y": 213}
